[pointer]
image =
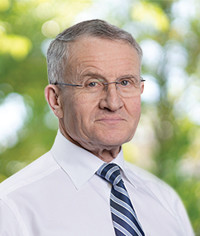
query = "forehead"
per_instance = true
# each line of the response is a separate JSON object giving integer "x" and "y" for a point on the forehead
{"x": 103, "y": 55}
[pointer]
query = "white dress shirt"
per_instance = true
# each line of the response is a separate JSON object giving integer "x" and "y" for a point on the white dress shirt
{"x": 59, "y": 194}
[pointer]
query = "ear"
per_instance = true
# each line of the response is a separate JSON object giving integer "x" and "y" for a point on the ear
{"x": 52, "y": 95}
{"x": 142, "y": 87}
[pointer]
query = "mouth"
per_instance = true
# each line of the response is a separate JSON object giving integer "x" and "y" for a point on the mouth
{"x": 110, "y": 120}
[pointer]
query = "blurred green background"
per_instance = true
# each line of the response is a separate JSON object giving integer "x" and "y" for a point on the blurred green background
{"x": 168, "y": 137}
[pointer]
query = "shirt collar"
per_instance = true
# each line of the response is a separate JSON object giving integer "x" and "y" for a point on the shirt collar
{"x": 79, "y": 163}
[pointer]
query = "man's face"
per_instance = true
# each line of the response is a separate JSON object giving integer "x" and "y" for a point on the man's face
{"x": 105, "y": 120}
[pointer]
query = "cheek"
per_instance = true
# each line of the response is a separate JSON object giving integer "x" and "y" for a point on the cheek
{"x": 134, "y": 107}
{"x": 82, "y": 110}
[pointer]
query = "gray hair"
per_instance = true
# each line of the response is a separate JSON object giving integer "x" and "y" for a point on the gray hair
{"x": 57, "y": 53}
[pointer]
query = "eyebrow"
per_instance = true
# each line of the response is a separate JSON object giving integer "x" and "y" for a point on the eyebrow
{"x": 97, "y": 75}
{"x": 129, "y": 76}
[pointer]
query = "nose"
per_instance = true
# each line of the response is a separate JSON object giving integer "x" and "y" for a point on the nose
{"x": 111, "y": 99}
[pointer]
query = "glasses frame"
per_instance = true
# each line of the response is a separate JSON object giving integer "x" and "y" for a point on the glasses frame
{"x": 80, "y": 85}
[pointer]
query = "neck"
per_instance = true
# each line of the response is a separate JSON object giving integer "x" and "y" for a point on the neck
{"x": 105, "y": 153}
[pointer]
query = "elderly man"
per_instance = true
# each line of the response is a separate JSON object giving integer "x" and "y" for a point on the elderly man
{"x": 83, "y": 186}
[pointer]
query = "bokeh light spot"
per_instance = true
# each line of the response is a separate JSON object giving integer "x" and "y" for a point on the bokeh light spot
{"x": 13, "y": 114}
{"x": 17, "y": 46}
{"x": 50, "y": 28}
{"x": 151, "y": 14}
{"x": 4, "y": 5}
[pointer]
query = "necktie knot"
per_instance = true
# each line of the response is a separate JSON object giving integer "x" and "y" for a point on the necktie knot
{"x": 110, "y": 172}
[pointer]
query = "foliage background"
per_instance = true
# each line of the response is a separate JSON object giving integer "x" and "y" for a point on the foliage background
{"x": 168, "y": 138}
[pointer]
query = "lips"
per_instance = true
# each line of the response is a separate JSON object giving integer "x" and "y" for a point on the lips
{"x": 110, "y": 120}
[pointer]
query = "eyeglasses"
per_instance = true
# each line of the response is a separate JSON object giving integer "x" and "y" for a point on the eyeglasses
{"x": 127, "y": 87}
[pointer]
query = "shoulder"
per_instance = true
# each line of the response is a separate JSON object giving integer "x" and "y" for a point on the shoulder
{"x": 32, "y": 172}
{"x": 152, "y": 183}
{"x": 157, "y": 190}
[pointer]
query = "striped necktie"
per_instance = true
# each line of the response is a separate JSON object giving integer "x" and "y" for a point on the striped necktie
{"x": 123, "y": 215}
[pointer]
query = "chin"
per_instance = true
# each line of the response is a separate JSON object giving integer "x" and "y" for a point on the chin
{"x": 114, "y": 140}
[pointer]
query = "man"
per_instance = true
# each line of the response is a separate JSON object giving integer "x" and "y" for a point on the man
{"x": 83, "y": 186}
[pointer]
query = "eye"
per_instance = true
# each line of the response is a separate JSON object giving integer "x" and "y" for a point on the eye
{"x": 92, "y": 83}
{"x": 128, "y": 82}
{"x": 125, "y": 82}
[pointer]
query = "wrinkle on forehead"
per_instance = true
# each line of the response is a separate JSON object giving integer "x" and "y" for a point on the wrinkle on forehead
{"x": 90, "y": 54}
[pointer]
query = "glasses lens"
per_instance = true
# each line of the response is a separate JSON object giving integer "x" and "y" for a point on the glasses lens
{"x": 129, "y": 87}
{"x": 126, "y": 87}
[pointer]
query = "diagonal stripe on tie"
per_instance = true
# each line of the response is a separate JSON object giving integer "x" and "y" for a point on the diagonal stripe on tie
{"x": 120, "y": 231}
{"x": 124, "y": 218}
{"x": 120, "y": 202}
{"x": 126, "y": 214}
{"x": 125, "y": 225}
{"x": 130, "y": 224}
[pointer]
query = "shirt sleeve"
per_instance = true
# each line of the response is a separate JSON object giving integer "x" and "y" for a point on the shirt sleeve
{"x": 9, "y": 226}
